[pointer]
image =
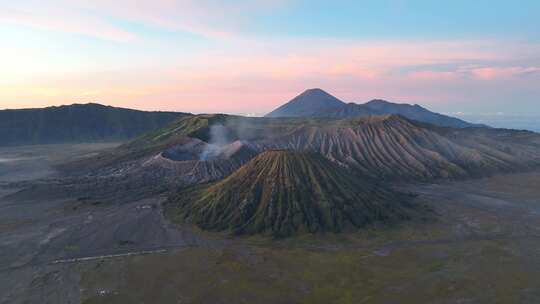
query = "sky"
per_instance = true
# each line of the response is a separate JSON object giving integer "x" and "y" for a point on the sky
{"x": 247, "y": 57}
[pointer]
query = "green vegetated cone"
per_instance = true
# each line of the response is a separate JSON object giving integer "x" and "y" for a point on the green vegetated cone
{"x": 283, "y": 192}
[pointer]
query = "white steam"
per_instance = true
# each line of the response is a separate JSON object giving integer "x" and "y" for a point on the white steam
{"x": 218, "y": 139}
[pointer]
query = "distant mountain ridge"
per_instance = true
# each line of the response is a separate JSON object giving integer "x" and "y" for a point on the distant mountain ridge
{"x": 318, "y": 103}
{"x": 418, "y": 113}
{"x": 78, "y": 123}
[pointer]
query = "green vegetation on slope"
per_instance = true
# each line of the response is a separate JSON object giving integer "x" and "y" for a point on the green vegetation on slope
{"x": 283, "y": 192}
{"x": 78, "y": 123}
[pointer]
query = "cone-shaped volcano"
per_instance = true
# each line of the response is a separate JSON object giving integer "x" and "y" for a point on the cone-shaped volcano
{"x": 308, "y": 104}
{"x": 282, "y": 192}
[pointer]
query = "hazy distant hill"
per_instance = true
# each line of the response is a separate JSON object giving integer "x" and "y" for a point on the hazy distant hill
{"x": 527, "y": 121}
{"x": 78, "y": 123}
{"x": 416, "y": 112}
{"x": 318, "y": 103}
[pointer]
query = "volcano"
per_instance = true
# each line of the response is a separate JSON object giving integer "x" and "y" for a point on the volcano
{"x": 318, "y": 103}
{"x": 384, "y": 148}
{"x": 310, "y": 103}
{"x": 283, "y": 192}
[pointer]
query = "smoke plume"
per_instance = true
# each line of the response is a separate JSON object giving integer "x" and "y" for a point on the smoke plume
{"x": 219, "y": 137}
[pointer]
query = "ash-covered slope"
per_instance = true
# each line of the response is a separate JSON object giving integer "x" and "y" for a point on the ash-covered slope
{"x": 396, "y": 148}
{"x": 283, "y": 192}
{"x": 184, "y": 153}
{"x": 202, "y": 148}
{"x": 151, "y": 144}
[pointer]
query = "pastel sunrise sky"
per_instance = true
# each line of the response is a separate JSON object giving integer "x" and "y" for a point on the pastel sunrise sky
{"x": 243, "y": 57}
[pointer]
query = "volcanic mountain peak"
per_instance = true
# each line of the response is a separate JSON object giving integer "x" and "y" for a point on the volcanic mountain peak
{"x": 282, "y": 192}
{"x": 377, "y": 102}
{"x": 319, "y": 93}
{"x": 309, "y": 103}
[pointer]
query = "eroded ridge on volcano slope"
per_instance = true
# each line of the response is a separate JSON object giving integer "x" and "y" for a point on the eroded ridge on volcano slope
{"x": 386, "y": 147}
{"x": 284, "y": 192}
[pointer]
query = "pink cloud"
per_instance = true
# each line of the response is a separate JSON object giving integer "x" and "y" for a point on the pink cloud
{"x": 255, "y": 76}
{"x": 213, "y": 19}
{"x": 466, "y": 72}
{"x": 433, "y": 75}
{"x": 60, "y": 20}
{"x": 488, "y": 73}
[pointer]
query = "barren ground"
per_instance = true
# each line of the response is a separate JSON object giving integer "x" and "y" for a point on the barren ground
{"x": 482, "y": 246}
